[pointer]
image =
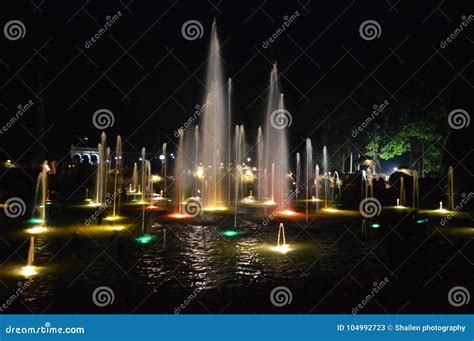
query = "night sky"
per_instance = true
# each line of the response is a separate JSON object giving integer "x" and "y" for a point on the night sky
{"x": 150, "y": 77}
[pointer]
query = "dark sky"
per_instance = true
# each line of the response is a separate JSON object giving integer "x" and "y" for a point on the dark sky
{"x": 150, "y": 77}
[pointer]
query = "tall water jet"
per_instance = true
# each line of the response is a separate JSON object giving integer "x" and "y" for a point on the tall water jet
{"x": 281, "y": 246}
{"x": 30, "y": 269}
{"x": 450, "y": 189}
{"x": 101, "y": 169}
{"x": 298, "y": 174}
{"x": 350, "y": 164}
{"x": 229, "y": 157}
{"x": 402, "y": 191}
{"x": 215, "y": 124}
{"x": 276, "y": 149}
{"x": 179, "y": 173}
{"x": 135, "y": 178}
{"x": 41, "y": 196}
{"x": 143, "y": 175}
{"x": 260, "y": 162}
{"x": 309, "y": 169}
{"x": 326, "y": 176}
{"x": 118, "y": 173}
{"x": 164, "y": 165}
{"x": 416, "y": 190}
{"x": 316, "y": 185}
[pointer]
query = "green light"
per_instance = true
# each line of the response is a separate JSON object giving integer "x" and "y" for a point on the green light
{"x": 421, "y": 221}
{"x": 36, "y": 221}
{"x": 145, "y": 238}
{"x": 49, "y": 203}
{"x": 230, "y": 233}
{"x": 375, "y": 225}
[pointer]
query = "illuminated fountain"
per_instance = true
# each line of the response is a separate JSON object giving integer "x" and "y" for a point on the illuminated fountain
{"x": 402, "y": 191}
{"x": 30, "y": 269}
{"x": 416, "y": 190}
{"x": 118, "y": 176}
{"x": 101, "y": 178}
{"x": 281, "y": 246}
{"x": 275, "y": 148}
{"x": 135, "y": 178}
{"x": 298, "y": 173}
{"x": 326, "y": 176}
{"x": 309, "y": 169}
{"x": 450, "y": 188}
{"x": 40, "y": 202}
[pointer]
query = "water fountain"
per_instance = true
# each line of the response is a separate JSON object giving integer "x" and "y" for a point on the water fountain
{"x": 450, "y": 189}
{"x": 402, "y": 191}
{"x": 164, "y": 166}
{"x": 275, "y": 153}
{"x": 309, "y": 169}
{"x": 30, "y": 269}
{"x": 350, "y": 164}
{"x": 298, "y": 174}
{"x": 326, "y": 176}
{"x": 118, "y": 175}
{"x": 416, "y": 190}
{"x": 260, "y": 163}
{"x": 281, "y": 246}
{"x": 135, "y": 178}
{"x": 101, "y": 183}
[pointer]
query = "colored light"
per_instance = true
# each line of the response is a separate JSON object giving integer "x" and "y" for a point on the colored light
{"x": 145, "y": 238}
{"x": 112, "y": 218}
{"x": 421, "y": 221}
{"x": 330, "y": 210}
{"x": 269, "y": 202}
{"x": 179, "y": 216}
{"x": 36, "y": 221}
{"x": 288, "y": 212}
{"x": 36, "y": 229}
{"x": 284, "y": 248}
{"x": 375, "y": 225}
{"x": 215, "y": 208}
{"x": 118, "y": 227}
{"x": 230, "y": 233}
{"x": 29, "y": 270}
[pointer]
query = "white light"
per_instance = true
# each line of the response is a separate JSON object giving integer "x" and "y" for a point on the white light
{"x": 395, "y": 169}
{"x": 162, "y": 157}
{"x": 249, "y": 159}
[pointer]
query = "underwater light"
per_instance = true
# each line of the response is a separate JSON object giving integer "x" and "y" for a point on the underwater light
{"x": 36, "y": 229}
{"x": 422, "y": 221}
{"x": 112, "y": 218}
{"x": 288, "y": 212}
{"x": 145, "y": 238}
{"x": 215, "y": 208}
{"x": 36, "y": 221}
{"x": 375, "y": 225}
{"x": 330, "y": 210}
{"x": 117, "y": 227}
{"x": 178, "y": 215}
{"x": 269, "y": 202}
{"x": 29, "y": 270}
{"x": 230, "y": 233}
{"x": 284, "y": 248}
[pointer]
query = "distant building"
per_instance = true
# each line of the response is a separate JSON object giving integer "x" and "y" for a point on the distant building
{"x": 85, "y": 155}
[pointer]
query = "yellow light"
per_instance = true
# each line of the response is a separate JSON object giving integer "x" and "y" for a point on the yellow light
{"x": 93, "y": 204}
{"x": 156, "y": 178}
{"x": 284, "y": 248}
{"x": 29, "y": 270}
{"x": 36, "y": 229}
{"x": 330, "y": 210}
{"x": 269, "y": 202}
{"x": 178, "y": 215}
{"x": 112, "y": 218}
{"x": 200, "y": 172}
{"x": 288, "y": 212}
{"x": 215, "y": 208}
{"x": 118, "y": 227}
